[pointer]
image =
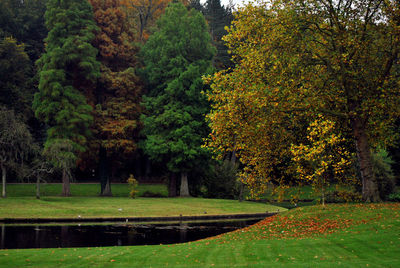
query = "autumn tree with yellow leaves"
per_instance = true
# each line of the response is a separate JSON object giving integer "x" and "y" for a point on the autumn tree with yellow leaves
{"x": 323, "y": 157}
{"x": 296, "y": 59}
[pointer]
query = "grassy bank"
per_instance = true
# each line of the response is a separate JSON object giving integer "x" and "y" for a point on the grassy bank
{"x": 86, "y": 207}
{"x": 337, "y": 236}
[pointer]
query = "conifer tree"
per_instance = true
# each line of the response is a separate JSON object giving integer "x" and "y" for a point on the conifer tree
{"x": 219, "y": 16}
{"x": 175, "y": 57}
{"x": 67, "y": 69}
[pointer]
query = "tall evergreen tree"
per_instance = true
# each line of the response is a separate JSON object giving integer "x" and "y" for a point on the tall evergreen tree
{"x": 67, "y": 69}
{"x": 219, "y": 16}
{"x": 175, "y": 57}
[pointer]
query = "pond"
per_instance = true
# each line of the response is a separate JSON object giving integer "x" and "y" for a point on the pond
{"x": 115, "y": 234}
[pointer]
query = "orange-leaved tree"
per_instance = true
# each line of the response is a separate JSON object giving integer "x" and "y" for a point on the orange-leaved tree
{"x": 116, "y": 99}
{"x": 145, "y": 14}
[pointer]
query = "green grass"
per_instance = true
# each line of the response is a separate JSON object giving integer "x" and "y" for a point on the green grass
{"x": 335, "y": 236}
{"x": 305, "y": 192}
{"x": 86, "y": 207}
{"x": 81, "y": 189}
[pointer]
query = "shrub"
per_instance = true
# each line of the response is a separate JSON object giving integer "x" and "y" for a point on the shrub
{"x": 395, "y": 197}
{"x": 343, "y": 196}
{"x": 151, "y": 194}
{"x": 133, "y": 184}
{"x": 222, "y": 182}
{"x": 382, "y": 166}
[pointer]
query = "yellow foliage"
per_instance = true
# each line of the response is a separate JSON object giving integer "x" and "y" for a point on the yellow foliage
{"x": 133, "y": 184}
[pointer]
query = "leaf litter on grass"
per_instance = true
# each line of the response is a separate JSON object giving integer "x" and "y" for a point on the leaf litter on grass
{"x": 312, "y": 221}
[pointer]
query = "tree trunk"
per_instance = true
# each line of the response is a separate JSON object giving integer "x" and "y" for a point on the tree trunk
{"x": 3, "y": 177}
{"x": 106, "y": 191}
{"x": 147, "y": 172}
{"x": 172, "y": 185}
{"x": 105, "y": 186}
{"x": 370, "y": 192}
{"x": 241, "y": 184}
{"x": 3, "y": 235}
{"x": 184, "y": 190}
{"x": 38, "y": 187}
{"x": 233, "y": 157}
{"x": 66, "y": 186}
{"x": 241, "y": 191}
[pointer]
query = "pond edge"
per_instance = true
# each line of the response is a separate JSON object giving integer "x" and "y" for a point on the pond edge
{"x": 136, "y": 219}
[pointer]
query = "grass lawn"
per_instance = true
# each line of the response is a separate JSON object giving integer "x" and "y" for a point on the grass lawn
{"x": 81, "y": 189}
{"x": 86, "y": 207}
{"x": 305, "y": 192}
{"x": 338, "y": 235}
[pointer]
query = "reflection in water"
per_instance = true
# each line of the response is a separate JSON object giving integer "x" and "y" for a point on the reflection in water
{"x": 183, "y": 228}
{"x": 45, "y": 236}
{"x": 3, "y": 233}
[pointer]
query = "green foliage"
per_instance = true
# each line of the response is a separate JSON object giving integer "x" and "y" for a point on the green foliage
{"x": 222, "y": 181}
{"x": 66, "y": 69}
{"x": 15, "y": 75}
{"x": 16, "y": 142}
{"x": 24, "y": 21}
{"x": 219, "y": 17}
{"x": 343, "y": 196}
{"x": 60, "y": 154}
{"x": 175, "y": 58}
{"x": 16, "y": 145}
{"x": 133, "y": 184}
{"x": 394, "y": 197}
{"x": 382, "y": 167}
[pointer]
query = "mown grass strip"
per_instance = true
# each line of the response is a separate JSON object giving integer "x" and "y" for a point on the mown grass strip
{"x": 82, "y": 189}
{"x": 89, "y": 207}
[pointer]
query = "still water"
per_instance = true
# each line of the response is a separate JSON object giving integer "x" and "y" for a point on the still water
{"x": 116, "y": 234}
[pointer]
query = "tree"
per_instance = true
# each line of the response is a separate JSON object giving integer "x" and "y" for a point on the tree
{"x": 146, "y": 13}
{"x": 41, "y": 167}
{"x": 15, "y": 74}
{"x": 300, "y": 58}
{"x": 117, "y": 96}
{"x": 323, "y": 157}
{"x": 66, "y": 71}
{"x": 16, "y": 144}
{"x": 62, "y": 156}
{"x": 175, "y": 58}
{"x": 24, "y": 21}
{"x": 219, "y": 17}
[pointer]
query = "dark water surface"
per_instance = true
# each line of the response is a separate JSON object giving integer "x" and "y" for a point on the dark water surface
{"x": 116, "y": 234}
